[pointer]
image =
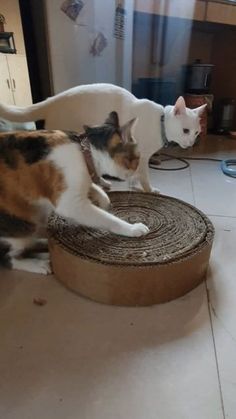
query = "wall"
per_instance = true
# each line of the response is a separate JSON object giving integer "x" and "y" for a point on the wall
{"x": 182, "y": 45}
{"x": 224, "y": 59}
{"x": 70, "y": 43}
{"x": 11, "y": 11}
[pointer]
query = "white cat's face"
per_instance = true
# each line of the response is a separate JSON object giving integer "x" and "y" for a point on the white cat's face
{"x": 183, "y": 124}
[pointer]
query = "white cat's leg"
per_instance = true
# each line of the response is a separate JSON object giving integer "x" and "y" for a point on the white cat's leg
{"x": 143, "y": 176}
{"x": 83, "y": 212}
{"x": 98, "y": 196}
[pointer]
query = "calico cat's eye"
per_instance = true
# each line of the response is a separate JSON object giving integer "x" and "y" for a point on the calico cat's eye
{"x": 186, "y": 131}
{"x": 197, "y": 133}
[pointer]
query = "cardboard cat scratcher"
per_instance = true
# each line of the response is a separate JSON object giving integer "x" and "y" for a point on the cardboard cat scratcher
{"x": 167, "y": 263}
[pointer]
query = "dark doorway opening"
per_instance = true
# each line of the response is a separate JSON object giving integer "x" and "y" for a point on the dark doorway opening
{"x": 35, "y": 36}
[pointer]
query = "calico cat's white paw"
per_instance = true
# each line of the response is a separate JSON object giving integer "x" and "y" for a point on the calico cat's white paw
{"x": 35, "y": 266}
{"x": 138, "y": 229}
{"x": 42, "y": 266}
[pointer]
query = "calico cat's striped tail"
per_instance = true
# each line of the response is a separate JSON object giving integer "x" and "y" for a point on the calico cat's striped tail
{"x": 34, "y": 112}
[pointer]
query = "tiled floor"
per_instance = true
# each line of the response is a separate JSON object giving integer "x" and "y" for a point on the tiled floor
{"x": 73, "y": 358}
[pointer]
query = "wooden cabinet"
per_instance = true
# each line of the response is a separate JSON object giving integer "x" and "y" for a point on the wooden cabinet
{"x": 20, "y": 79}
{"x": 187, "y": 9}
{"x": 201, "y": 10}
{"x": 157, "y": 7}
{"x": 6, "y": 93}
{"x": 14, "y": 80}
{"x": 221, "y": 13}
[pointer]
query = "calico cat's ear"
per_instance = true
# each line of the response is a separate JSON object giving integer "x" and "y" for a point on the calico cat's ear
{"x": 127, "y": 131}
{"x": 113, "y": 119}
{"x": 180, "y": 107}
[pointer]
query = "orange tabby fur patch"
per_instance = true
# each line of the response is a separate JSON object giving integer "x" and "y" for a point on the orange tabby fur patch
{"x": 27, "y": 183}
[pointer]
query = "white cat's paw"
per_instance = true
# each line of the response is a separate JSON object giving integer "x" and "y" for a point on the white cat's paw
{"x": 139, "y": 229}
{"x": 156, "y": 191}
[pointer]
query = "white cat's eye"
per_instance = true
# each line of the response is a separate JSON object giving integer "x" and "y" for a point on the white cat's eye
{"x": 186, "y": 131}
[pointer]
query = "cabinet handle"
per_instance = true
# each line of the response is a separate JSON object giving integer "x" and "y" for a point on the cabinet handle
{"x": 8, "y": 84}
{"x": 14, "y": 83}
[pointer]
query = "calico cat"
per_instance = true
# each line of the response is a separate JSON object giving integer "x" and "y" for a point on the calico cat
{"x": 44, "y": 171}
{"x": 91, "y": 103}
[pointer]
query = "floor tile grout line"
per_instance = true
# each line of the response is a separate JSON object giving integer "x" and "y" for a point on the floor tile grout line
{"x": 191, "y": 181}
{"x": 215, "y": 351}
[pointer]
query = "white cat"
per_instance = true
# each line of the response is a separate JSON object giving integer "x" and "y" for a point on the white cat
{"x": 90, "y": 104}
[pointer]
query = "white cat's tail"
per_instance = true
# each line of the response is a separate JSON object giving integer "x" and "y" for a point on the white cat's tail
{"x": 34, "y": 112}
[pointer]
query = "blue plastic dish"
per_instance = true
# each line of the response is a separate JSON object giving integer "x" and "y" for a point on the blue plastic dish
{"x": 227, "y": 169}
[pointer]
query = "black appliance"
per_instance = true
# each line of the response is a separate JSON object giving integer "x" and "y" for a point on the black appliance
{"x": 197, "y": 77}
{"x": 225, "y": 115}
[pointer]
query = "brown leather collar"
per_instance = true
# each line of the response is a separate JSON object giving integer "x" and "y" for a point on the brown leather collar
{"x": 85, "y": 146}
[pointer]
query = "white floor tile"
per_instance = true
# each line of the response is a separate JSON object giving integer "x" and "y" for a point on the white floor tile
{"x": 222, "y": 292}
{"x": 176, "y": 184}
{"x": 214, "y": 193}
{"x": 73, "y": 358}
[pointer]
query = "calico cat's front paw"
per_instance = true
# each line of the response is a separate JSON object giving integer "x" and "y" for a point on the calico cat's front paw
{"x": 138, "y": 229}
{"x": 42, "y": 266}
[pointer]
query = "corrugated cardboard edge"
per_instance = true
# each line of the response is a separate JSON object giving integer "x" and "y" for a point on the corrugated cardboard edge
{"x": 130, "y": 285}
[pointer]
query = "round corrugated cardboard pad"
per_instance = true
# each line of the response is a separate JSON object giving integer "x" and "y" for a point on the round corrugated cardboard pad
{"x": 163, "y": 265}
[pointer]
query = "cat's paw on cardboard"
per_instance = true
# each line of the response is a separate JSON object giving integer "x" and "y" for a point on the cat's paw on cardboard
{"x": 139, "y": 229}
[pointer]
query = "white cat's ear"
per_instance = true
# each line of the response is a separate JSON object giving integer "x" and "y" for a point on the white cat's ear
{"x": 113, "y": 119}
{"x": 128, "y": 129}
{"x": 200, "y": 110}
{"x": 180, "y": 106}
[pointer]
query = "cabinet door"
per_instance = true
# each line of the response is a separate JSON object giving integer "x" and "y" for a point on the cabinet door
{"x": 221, "y": 13}
{"x": 157, "y": 7}
{"x": 19, "y": 79}
{"x": 6, "y": 95}
{"x": 186, "y": 9}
